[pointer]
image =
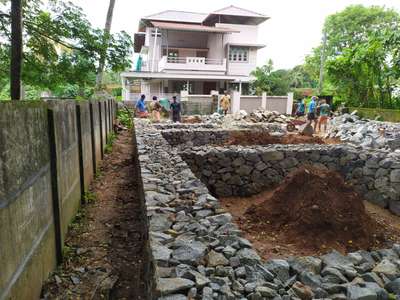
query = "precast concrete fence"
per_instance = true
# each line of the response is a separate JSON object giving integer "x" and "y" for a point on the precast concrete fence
{"x": 49, "y": 154}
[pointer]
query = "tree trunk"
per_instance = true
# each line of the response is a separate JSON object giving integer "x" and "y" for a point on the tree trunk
{"x": 16, "y": 49}
{"x": 106, "y": 40}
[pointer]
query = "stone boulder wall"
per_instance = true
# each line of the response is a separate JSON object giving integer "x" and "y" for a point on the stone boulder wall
{"x": 198, "y": 253}
{"x": 196, "y": 137}
{"x": 245, "y": 171}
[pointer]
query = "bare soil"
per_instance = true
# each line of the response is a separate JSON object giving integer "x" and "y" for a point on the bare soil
{"x": 105, "y": 245}
{"x": 264, "y": 138}
{"x": 311, "y": 213}
{"x": 191, "y": 119}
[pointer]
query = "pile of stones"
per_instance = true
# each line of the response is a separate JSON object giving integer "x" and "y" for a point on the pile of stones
{"x": 369, "y": 134}
{"x": 268, "y": 116}
{"x": 242, "y": 117}
{"x": 198, "y": 253}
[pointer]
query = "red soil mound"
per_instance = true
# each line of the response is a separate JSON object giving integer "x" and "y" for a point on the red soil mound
{"x": 315, "y": 209}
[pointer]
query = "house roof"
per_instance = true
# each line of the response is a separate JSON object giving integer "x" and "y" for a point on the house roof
{"x": 230, "y": 14}
{"x": 235, "y": 15}
{"x": 191, "y": 27}
{"x": 237, "y": 11}
{"x": 178, "y": 16}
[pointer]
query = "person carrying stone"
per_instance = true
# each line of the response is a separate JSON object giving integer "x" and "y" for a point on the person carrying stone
{"x": 175, "y": 110}
{"x": 225, "y": 103}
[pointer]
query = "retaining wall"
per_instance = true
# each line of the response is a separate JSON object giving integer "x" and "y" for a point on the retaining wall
{"x": 244, "y": 171}
{"x": 46, "y": 161}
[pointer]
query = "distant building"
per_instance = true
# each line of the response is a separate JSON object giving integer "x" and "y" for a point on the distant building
{"x": 195, "y": 52}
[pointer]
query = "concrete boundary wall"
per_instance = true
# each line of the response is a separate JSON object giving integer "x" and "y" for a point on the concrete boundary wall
{"x": 85, "y": 145}
{"x": 67, "y": 156}
{"x": 26, "y": 218}
{"x": 48, "y": 156}
{"x": 96, "y": 133}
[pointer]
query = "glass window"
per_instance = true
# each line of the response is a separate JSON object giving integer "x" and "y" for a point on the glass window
{"x": 238, "y": 54}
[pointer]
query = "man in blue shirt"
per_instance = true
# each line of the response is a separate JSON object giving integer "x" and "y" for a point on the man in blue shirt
{"x": 312, "y": 112}
{"x": 141, "y": 109}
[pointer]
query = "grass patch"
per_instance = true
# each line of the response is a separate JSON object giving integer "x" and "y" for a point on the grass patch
{"x": 89, "y": 197}
{"x": 125, "y": 117}
{"x": 110, "y": 141}
{"x": 98, "y": 174}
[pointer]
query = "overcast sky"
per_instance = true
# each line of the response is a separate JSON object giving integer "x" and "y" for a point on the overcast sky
{"x": 293, "y": 29}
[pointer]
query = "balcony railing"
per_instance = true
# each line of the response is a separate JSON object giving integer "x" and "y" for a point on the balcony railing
{"x": 192, "y": 64}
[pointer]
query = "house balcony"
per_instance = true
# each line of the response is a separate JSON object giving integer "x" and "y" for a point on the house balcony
{"x": 192, "y": 64}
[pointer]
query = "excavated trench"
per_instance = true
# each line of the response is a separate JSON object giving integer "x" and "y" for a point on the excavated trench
{"x": 295, "y": 207}
{"x": 219, "y": 199}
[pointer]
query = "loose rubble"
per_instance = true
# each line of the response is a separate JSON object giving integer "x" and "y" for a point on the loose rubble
{"x": 366, "y": 133}
{"x": 271, "y": 120}
{"x": 198, "y": 253}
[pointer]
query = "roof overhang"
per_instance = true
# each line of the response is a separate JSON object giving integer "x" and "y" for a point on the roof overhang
{"x": 235, "y": 15}
{"x": 191, "y": 27}
{"x": 256, "y": 46}
{"x": 158, "y": 75}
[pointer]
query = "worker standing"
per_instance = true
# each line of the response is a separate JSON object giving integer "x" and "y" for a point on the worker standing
{"x": 301, "y": 108}
{"x": 176, "y": 110}
{"x": 324, "y": 111}
{"x": 312, "y": 112}
{"x": 225, "y": 103}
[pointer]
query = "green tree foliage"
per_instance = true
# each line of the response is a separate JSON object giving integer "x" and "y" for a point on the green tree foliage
{"x": 61, "y": 48}
{"x": 267, "y": 80}
{"x": 362, "y": 50}
{"x": 280, "y": 82}
{"x": 354, "y": 25}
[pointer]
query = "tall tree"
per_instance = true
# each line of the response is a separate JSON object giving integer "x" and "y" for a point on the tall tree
{"x": 270, "y": 81}
{"x": 61, "y": 48}
{"x": 106, "y": 41}
{"x": 16, "y": 49}
{"x": 353, "y": 25}
{"x": 361, "y": 47}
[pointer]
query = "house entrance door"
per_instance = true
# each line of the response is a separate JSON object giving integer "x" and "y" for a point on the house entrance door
{"x": 208, "y": 87}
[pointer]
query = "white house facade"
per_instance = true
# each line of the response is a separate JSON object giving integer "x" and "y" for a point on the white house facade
{"x": 194, "y": 52}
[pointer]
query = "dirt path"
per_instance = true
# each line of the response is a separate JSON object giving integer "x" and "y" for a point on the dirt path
{"x": 104, "y": 248}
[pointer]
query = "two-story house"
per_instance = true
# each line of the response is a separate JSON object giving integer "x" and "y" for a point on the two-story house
{"x": 195, "y": 52}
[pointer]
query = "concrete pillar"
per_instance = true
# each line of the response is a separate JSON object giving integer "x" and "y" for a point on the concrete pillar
{"x": 184, "y": 95}
{"x": 289, "y": 105}
{"x": 123, "y": 83}
{"x": 264, "y": 101}
{"x": 235, "y": 102}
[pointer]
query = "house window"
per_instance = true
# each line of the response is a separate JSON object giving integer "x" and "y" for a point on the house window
{"x": 239, "y": 54}
{"x": 153, "y": 33}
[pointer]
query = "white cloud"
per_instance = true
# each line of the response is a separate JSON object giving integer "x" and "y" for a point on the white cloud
{"x": 293, "y": 30}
